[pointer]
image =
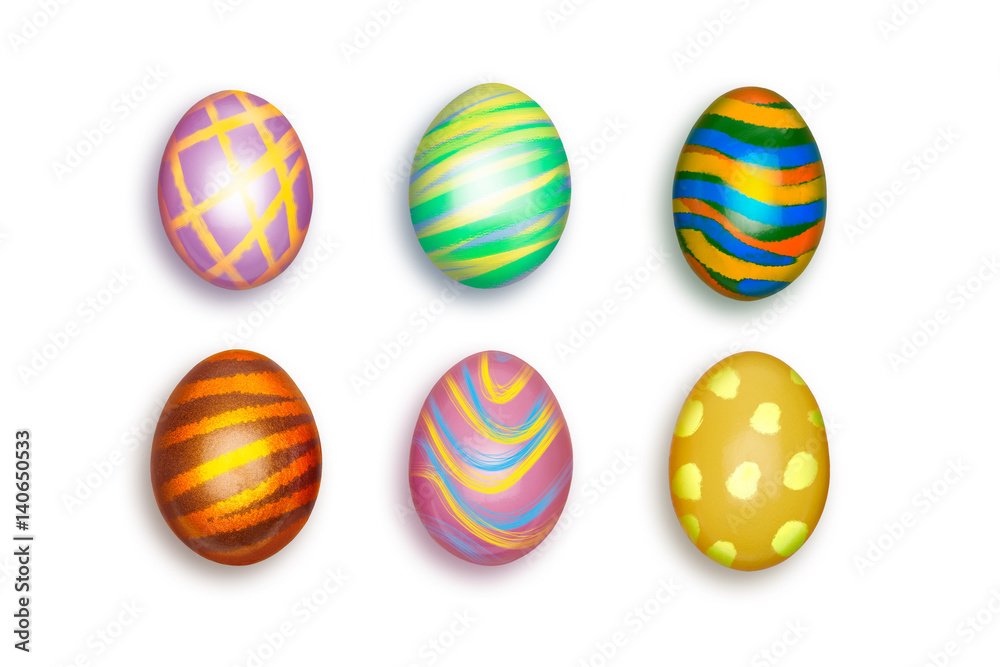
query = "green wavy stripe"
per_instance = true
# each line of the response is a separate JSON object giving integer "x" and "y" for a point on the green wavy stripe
{"x": 758, "y": 135}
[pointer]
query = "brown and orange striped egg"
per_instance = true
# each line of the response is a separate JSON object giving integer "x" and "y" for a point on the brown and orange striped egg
{"x": 749, "y": 464}
{"x": 236, "y": 459}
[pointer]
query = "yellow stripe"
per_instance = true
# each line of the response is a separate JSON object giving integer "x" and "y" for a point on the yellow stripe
{"x": 494, "y": 202}
{"x": 241, "y": 181}
{"x": 484, "y": 120}
{"x": 480, "y": 483}
{"x": 232, "y": 418}
{"x": 430, "y": 185}
{"x": 247, "y": 497}
{"x": 473, "y": 419}
{"x": 746, "y": 180}
{"x": 470, "y": 268}
{"x": 504, "y": 539}
{"x": 503, "y": 393}
{"x": 757, "y": 115}
{"x": 236, "y": 458}
{"x": 255, "y": 171}
{"x": 273, "y": 158}
{"x": 738, "y": 269}
{"x": 217, "y": 126}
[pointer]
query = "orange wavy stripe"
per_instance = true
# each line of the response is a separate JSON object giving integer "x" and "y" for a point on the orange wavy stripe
{"x": 795, "y": 176}
{"x": 792, "y": 247}
{"x": 231, "y": 460}
{"x": 252, "y": 552}
{"x": 233, "y": 417}
{"x": 244, "y": 499}
{"x": 252, "y": 518}
{"x": 266, "y": 383}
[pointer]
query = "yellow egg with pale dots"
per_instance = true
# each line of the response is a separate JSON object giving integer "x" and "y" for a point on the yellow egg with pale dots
{"x": 749, "y": 464}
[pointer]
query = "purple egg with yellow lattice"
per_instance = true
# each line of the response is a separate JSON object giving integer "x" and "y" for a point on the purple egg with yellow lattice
{"x": 235, "y": 190}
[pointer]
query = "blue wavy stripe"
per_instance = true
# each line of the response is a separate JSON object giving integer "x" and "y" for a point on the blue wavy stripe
{"x": 464, "y": 544}
{"x": 505, "y": 521}
{"x": 732, "y": 245}
{"x": 513, "y": 230}
{"x": 519, "y": 518}
{"x": 772, "y": 158}
{"x": 479, "y": 460}
{"x": 776, "y": 216}
{"x": 501, "y": 429}
{"x": 760, "y": 288}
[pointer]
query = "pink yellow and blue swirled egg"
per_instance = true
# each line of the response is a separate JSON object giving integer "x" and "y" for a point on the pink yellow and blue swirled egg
{"x": 491, "y": 459}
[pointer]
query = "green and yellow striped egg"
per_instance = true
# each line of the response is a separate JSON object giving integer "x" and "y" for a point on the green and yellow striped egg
{"x": 749, "y": 195}
{"x": 490, "y": 187}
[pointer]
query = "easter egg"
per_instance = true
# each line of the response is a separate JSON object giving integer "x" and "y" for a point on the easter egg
{"x": 749, "y": 195}
{"x": 236, "y": 459}
{"x": 749, "y": 465}
{"x": 491, "y": 460}
{"x": 490, "y": 187}
{"x": 235, "y": 190}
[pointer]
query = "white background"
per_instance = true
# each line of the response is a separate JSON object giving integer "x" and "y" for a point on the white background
{"x": 894, "y": 429}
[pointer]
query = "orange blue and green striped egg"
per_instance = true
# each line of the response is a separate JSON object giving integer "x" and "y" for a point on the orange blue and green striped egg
{"x": 490, "y": 187}
{"x": 749, "y": 195}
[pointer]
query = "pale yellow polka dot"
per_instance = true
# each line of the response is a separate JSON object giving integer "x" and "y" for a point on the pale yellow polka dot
{"x": 816, "y": 418}
{"x": 723, "y": 553}
{"x": 743, "y": 482}
{"x": 691, "y": 526}
{"x": 789, "y": 538}
{"x": 725, "y": 383}
{"x": 801, "y": 471}
{"x": 687, "y": 482}
{"x": 690, "y": 418}
{"x": 797, "y": 379}
{"x": 766, "y": 419}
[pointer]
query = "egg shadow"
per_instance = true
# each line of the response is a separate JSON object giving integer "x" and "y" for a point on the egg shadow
{"x": 680, "y": 545}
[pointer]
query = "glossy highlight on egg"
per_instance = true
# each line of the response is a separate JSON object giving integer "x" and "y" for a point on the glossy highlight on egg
{"x": 235, "y": 190}
{"x": 491, "y": 460}
{"x": 236, "y": 459}
{"x": 749, "y": 195}
{"x": 749, "y": 467}
{"x": 490, "y": 187}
